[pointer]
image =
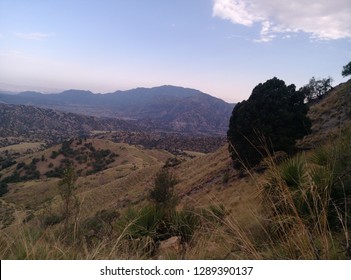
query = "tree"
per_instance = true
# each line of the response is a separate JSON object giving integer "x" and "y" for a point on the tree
{"x": 162, "y": 192}
{"x": 346, "y": 70}
{"x": 272, "y": 119}
{"x": 316, "y": 89}
{"x": 70, "y": 203}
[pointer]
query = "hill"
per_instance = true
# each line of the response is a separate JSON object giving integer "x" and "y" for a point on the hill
{"x": 25, "y": 128}
{"x": 51, "y": 126}
{"x": 330, "y": 116}
{"x": 165, "y": 108}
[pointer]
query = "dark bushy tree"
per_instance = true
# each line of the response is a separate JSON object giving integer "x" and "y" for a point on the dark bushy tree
{"x": 346, "y": 70}
{"x": 273, "y": 118}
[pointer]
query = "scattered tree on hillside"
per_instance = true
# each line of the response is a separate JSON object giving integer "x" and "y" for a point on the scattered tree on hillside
{"x": 346, "y": 70}
{"x": 272, "y": 119}
{"x": 316, "y": 89}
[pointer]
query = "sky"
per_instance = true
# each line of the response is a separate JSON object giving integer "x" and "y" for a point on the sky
{"x": 221, "y": 47}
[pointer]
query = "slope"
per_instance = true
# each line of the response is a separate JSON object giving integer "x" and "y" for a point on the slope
{"x": 329, "y": 115}
{"x": 51, "y": 125}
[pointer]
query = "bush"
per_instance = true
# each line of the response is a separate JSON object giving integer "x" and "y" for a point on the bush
{"x": 144, "y": 222}
{"x": 157, "y": 224}
{"x": 57, "y": 172}
{"x": 51, "y": 220}
{"x": 20, "y": 165}
{"x": 3, "y": 188}
{"x": 7, "y": 163}
{"x": 54, "y": 154}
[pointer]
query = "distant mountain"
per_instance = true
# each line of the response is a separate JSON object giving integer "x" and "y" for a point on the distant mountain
{"x": 166, "y": 108}
{"x": 50, "y": 125}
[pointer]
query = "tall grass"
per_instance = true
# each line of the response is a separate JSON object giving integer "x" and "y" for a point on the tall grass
{"x": 307, "y": 207}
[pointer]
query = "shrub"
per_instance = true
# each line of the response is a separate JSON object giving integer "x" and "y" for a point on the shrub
{"x": 144, "y": 222}
{"x": 57, "y": 172}
{"x": 20, "y": 165}
{"x": 3, "y": 188}
{"x": 52, "y": 219}
{"x": 54, "y": 154}
{"x": 7, "y": 163}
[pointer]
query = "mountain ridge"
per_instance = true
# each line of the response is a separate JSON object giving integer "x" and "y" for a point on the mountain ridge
{"x": 165, "y": 107}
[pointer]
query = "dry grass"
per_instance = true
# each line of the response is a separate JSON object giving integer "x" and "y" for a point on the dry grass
{"x": 329, "y": 116}
{"x": 23, "y": 147}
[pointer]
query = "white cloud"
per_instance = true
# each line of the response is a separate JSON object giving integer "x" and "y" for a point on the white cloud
{"x": 322, "y": 19}
{"x": 37, "y": 36}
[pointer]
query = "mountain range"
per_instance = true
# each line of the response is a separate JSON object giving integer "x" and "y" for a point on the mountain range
{"x": 164, "y": 108}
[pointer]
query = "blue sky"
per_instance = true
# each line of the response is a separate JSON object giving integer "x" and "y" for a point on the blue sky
{"x": 221, "y": 47}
